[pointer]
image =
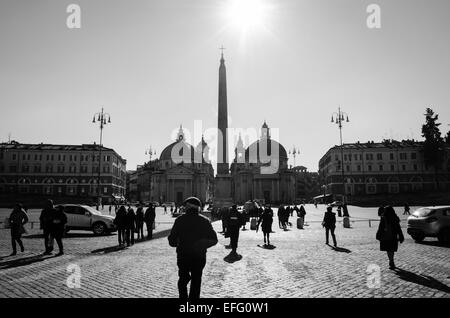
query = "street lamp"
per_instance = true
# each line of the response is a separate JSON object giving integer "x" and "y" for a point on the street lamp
{"x": 294, "y": 151}
{"x": 339, "y": 118}
{"x": 150, "y": 152}
{"x": 103, "y": 119}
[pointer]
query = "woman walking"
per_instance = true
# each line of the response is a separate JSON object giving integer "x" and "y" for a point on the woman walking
{"x": 389, "y": 234}
{"x": 266, "y": 220}
{"x": 329, "y": 223}
{"x": 17, "y": 219}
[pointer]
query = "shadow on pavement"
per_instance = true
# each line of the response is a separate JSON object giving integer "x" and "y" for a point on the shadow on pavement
{"x": 232, "y": 258}
{"x": 434, "y": 243}
{"x": 341, "y": 249}
{"x": 110, "y": 249}
{"x": 68, "y": 235}
{"x": 22, "y": 261}
{"x": 423, "y": 280}
{"x": 116, "y": 248}
{"x": 267, "y": 246}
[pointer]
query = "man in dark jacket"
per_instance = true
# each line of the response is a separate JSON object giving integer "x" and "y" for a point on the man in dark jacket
{"x": 140, "y": 222}
{"x": 57, "y": 227}
{"x": 149, "y": 219}
{"x": 130, "y": 220}
{"x": 119, "y": 221}
{"x": 235, "y": 221}
{"x": 46, "y": 221}
{"x": 329, "y": 223}
{"x": 192, "y": 234}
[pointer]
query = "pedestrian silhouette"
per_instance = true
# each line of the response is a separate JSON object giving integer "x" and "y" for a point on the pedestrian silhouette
{"x": 389, "y": 234}
{"x": 57, "y": 227}
{"x": 234, "y": 222}
{"x": 329, "y": 223}
{"x": 46, "y": 220}
{"x": 140, "y": 222}
{"x": 119, "y": 222}
{"x": 192, "y": 234}
{"x": 17, "y": 219}
{"x": 149, "y": 219}
{"x": 266, "y": 220}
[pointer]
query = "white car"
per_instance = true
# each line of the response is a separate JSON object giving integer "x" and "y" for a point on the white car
{"x": 83, "y": 217}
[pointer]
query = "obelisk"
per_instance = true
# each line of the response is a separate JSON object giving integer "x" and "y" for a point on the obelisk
{"x": 222, "y": 184}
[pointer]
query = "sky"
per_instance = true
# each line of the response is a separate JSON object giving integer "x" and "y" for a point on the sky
{"x": 153, "y": 65}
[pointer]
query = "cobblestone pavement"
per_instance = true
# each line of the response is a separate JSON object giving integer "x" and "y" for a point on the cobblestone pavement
{"x": 301, "y": 265}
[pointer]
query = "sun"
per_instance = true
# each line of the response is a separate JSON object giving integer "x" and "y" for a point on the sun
{"x": 246, "y": 14}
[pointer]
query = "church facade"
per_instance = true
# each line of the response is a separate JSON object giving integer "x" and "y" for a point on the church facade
{"x": 257, "y": 178}
{"x": 180, "y": 172}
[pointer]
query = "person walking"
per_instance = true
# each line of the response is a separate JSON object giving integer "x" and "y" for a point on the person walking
{"x": 224, "y": 214}
{"x": 301, "y": 214}
{"x": 192, "y": 234}
{"x": 389, "y": 234}
{"x": 266, "y": 220}
{"x": 149, "y": 219}
{"x": 140, "y": 222}
{"x": 280, "y": 215}
{"x": 46, "y": 220}
{"x": 235, "y": 221}
{"x": 57, "y": 227}
{"x": 119, "y": 222}
{"x": 329, "y": 223}
{"x": 407, "y": 209}
{"x": 17, "y": 219}
{"x": 130, "y": 223}
{"x": 165, "y": 209}
{"x": 110, "y": 208}
{"x": 287, "y": 214}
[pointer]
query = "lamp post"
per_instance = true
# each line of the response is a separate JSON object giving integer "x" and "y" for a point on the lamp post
{"x": 103, "y": 119}
{"x": 150, "y": 152}
{"x": 339, "y": 118}
{"x": 294, "y": 151}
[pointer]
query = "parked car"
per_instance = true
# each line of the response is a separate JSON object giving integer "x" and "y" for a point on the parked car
{"x": 430, "y": 222}
{"x": 168, "y": 204}
{"x": 83, "y": 217}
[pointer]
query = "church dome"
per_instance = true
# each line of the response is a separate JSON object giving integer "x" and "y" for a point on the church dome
{"x": 252, "y": 152}
{"x": 183, "y": 150}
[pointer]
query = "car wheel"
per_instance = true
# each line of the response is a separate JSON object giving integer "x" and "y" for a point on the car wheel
{"x": 444, "y": 235}
{"x": 99, "y": 228}
{"x": 418, "y": 237}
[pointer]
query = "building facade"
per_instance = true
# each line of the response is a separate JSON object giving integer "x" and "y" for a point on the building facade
{"x": 388, "y": 167}
{"x": 61, "y": 171}
{"x": 307, "y": 184}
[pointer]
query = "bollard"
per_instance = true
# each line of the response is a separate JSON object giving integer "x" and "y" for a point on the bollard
{"x": 346, "y": 222}
{"x": 300, "y": 222}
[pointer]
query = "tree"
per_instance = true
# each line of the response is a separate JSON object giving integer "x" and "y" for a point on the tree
{"x": 433, "y": 146}
{"x": 447, "y": 138}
